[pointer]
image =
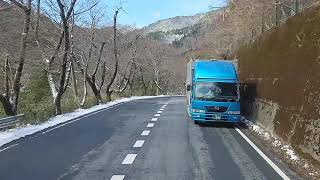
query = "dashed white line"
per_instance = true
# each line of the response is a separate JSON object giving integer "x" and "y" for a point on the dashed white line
{"x": 145, "y": 133}
{"x": 138, "y": 144}
{"x": 150, "y": 125}
{"x": 129, "y": 159}
{"x": 159, "y": 112}
{"x": 162, "y": 109}
{"x": 157, "y": 115}
{"x": 274, "y": 166}
{"x": 154, "y": 119}
{"x": 117, "y": 177}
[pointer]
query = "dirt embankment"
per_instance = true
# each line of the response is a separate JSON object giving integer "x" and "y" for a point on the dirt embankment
{"x": 281, "y": 76}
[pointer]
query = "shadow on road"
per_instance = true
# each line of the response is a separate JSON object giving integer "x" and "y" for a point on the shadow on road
{"x": 223, "y": 125}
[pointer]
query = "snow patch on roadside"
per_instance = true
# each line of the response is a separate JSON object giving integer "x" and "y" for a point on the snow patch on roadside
{"x": 281, "y": 146}
{"x": 288, "y": 150}
{"x": 23, "y": 131}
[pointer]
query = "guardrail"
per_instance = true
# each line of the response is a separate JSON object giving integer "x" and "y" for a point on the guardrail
{"x": 11, "y": 121}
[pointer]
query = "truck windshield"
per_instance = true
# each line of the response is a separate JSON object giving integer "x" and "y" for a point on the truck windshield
{"x": 216, "y": 91}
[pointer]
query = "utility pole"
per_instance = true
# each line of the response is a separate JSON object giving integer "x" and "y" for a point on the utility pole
{"x": 296, "y": 6}
{"x": 262, "y": 23}
{"x": 276, "y": 12}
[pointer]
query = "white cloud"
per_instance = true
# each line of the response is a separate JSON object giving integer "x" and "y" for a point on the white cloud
{"x": 156, "y": 14}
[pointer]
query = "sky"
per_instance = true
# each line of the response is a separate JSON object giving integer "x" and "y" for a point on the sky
{"x": 144, "y": 12}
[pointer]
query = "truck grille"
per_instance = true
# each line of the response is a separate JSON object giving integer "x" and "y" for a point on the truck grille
{"x": 220, "y": 109}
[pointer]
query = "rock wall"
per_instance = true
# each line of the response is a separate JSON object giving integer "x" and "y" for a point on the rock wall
{"x": 280, "y": 75}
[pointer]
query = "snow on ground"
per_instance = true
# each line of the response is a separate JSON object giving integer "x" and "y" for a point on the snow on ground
{"x": 275, "y": 141}
{"x": 279, "y": 144}
{"x": 20, "y": 132}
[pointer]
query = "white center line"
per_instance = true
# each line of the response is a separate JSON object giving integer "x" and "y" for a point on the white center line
{"x": 274, "y": 166}
{"x": 162, "y": 109}
{"x": 117, "y": 177}
{"x": 154, "y": 119}
{"x": 129, "y": 159}
{"x": 150, "y": 125}
{"x": 138, "y": 144}
{"x": 159, "y": 112}
{"x": 145, "y": 133}
{"x": 157, "y": 115}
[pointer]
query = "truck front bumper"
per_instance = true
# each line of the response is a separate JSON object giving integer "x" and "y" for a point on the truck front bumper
{"x": 211, "y": 117}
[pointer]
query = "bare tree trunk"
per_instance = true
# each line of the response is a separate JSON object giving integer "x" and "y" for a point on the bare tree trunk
{"x": 7, "y": 106}
{"x": 108, "y": 95}
{"x": 64, "y": 65}
{"x": 85, "y": 89}
{"x": 115, "y": 51}
{"x": 10, "y": 101}
{"x": 7, "y": 77}
{"x": 85, "y": 93}
{"x": 88, "y": 79}
{"x": 37, "y": 20}
{"x": 143, "y": 83}
{"x": 74, "y": 82}
{"x": 5, "y": 97}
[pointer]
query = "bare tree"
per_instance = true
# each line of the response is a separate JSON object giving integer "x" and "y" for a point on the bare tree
{"x": 58, "y": 88}
{"x": 86, "y": 58}
{"x": 115, "y": 53}
{"x": 91, "y": 78}
{"x": 10, "y": 100}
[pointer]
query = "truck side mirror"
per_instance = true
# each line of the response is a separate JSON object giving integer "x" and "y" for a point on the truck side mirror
{"x": 188, "y": 87}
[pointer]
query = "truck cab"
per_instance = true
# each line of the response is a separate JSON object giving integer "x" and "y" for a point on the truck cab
{"x": 213, "y": 91}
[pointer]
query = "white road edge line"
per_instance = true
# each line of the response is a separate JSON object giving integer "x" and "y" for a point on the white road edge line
{"x": 8, "y": 147}
{"x": 150, "y": 125}
{"x": 129, "y": 159}
{"x": 162, "y": 109}
{"x": 159, "y": 112}
{"x": 157, "y": 115}
{"x": 154, "y": 119}
{"x": 138, "y": 144}
{"x": 145, "y": 133}
{"x": 274, "y": 166}
{"x": 117, "y": 177}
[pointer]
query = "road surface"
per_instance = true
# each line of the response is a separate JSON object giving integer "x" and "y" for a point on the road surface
{"x": 150, "y": 139}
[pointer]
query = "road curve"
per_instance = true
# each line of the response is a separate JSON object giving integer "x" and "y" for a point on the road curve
{"x": 150, "y": 139}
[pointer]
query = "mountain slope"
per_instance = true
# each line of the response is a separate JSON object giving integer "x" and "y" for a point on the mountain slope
{"x": 177, "y": 28}
{"x": 174, "y": 23}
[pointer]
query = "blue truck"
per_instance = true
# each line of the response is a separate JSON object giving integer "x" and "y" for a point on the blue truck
{"x": 212, "y": 91}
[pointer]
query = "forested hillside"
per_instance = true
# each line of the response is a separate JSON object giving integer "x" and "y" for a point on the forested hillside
{"x": 56, "y": 59}
{"x": 220, "y": 32}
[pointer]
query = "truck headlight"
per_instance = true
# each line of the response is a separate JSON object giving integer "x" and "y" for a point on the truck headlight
{"x": 234, "y": 112}
{"x": 198, "y": 111}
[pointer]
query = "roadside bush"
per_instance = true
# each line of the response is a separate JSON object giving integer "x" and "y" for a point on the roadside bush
{"x": 35, "y": 100}
{"x": 2, "y": 114}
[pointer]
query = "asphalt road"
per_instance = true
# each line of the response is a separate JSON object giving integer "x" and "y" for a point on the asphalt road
{"x": 130, "y": 141}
